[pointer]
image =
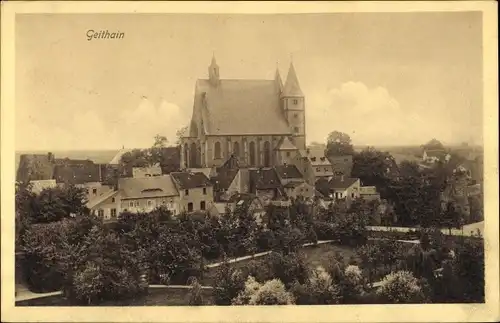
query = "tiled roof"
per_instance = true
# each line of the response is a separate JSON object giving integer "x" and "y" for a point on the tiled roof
{"x": 317, "y": 157}
{"x": 35, "y": 167}
{"x": 100, "y": 199}
{"x": 264, "y": 178}
{"x": 224, "y": 178}
{"x": 341, "y": 183}
{"x": 288, "y": 171}
{"x": 156, "y": 186}
{"x": 322, "y": 186}
{"x": 242, "y": 107}
{"x": 118, "y": 156}
{"x": 78, "y": 173}
{"x": 186, "y": 180}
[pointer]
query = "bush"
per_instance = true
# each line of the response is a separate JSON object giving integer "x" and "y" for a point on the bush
{"x": 400, "y": 287}
{"x": 324, "y": 230}
{"x": 319, "y": 289}
{"x": 272, "y": 292}
{"x": 258, "y": 269}
{"x": 195, "y": 294}
{"x": 288, "y": 268}
{"x": 352, "y": 284}
{"x": 228, "y": 284}
{"x": 88, "y": 284}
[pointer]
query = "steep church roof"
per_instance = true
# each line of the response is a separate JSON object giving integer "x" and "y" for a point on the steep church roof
{"x": 292, "y": 87}
{"x": 243, "y": 107}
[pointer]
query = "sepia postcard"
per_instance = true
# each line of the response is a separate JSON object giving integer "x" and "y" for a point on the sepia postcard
{"x": 287, "y": 161}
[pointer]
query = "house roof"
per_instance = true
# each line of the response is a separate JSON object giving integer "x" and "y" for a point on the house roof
{"x": 95, "y": 202}
{"x": 224, "y": 178}
{"x": 341, "y": 182}
{"x": 264, "y": 178}
{"x": 285, "y": 144}
{"x": 78, "y": 173}
{"x": 157, "y": 186}
{"x": 246, "y": 107}
{"x": 317, "y": 157}
{"x": 35, "y": 167}
{"x": 116, "y": 160}
{"x": 288, "y": 171}
{"x": 187, "y": 180}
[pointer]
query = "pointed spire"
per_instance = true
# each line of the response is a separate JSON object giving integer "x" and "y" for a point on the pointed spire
{"x": 292, "y": 87}
{"x": 213, "y": 71}
{"x": 277, "y": 79}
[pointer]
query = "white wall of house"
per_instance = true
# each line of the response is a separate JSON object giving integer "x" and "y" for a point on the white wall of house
{"x": 193, "y": 199}
{"x": 148, "y": 204}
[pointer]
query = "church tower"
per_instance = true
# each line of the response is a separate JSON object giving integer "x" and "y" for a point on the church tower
{"x": 293, "y": 103}
{"x": 213, "y": 72}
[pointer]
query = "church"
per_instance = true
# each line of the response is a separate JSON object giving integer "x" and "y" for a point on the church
{"x": 260, "y": 123}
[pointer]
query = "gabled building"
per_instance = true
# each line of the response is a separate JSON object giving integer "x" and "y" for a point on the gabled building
{"x": 293, "y": 182}
{"x": 195, "y": 191}
{"x": 321, "y": 165}
{"x": 340, "y": 188}
{"x": 434, "y": 156}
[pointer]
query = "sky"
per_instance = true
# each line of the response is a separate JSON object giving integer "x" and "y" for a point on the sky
{"x": 382, "y": 78}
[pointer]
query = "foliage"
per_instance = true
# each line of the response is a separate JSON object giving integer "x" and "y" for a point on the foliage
{"x": 272, "y": 292}
{"x": 338, "y": 144}
{"x": 50, "y": 205}
{"x": 319, "y": 289}
{"x": 352, "y": 284}
{"x": 401, "y": 287}
{"x": 375, "y": 168}
{"x": 288, "y": 268}
{"x": 228, "y": 284}
{"x": 180, "y": 133}
{"x": 195, "y": 294}
{"x": 433, "y": 144}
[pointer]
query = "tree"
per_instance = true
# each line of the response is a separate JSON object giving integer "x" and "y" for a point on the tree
{"x": 320, "y": 289}
{"x": 400, "y": 287}
{"x": 451, "y": 217}
{"x": 371, "y": 257}
{"x": 180, "y": 133}
{"x": 229, "y": 283}
{"x": 375, "y": 168}
{"x": 272, "y": 292}
{"x": 338, "y": 144}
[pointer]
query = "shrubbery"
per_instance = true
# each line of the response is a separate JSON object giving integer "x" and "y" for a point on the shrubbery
{"x": 272, "y": 292}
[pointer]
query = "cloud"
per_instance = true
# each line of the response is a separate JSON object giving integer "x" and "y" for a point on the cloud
{"x": 89, "y": 130}
{"x": 369, "y": 115}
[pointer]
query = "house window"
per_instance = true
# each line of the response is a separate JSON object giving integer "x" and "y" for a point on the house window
{"x": 295, "y": 102}
{"x": 136, "y": 203}
{"x": 148, "y": 175}
{"x": 352, "y": 195}
{"x": 295, "y": 115}
{"x": 112, "y": 200}
{"x": 186, "y": 192}
{"x": 318, "y": 169}
{"x": 113, "y": 213}
{"x": 202, "y": 205}
{"x": 287, "y": 154}
{"x": 94, "y": 191}
{"x": 296, "y": 129}
{"x": 131, "y": 203}
{"x": 190, "y": 207}
{"x": 150, "y": 203}
{"x": 204, "y": 191}
{"x": 100, "y": 213}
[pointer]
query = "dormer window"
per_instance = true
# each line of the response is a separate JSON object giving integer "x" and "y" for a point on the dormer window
{"x": 313, "y": 158}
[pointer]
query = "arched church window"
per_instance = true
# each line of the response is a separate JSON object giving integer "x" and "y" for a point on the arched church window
{"x": 193, "y": 160}
{"x": 186, "y": 154}
{"x": 251, "y": 149}
{"x": 236, "y": 149}
{"x": 267, "y": 154}
{"x": 217, "y": 150}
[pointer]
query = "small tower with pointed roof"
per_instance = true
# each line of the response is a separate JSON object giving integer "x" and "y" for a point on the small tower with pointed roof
{"x": 293, "y": 103}
{"x": 213, "y": 72}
